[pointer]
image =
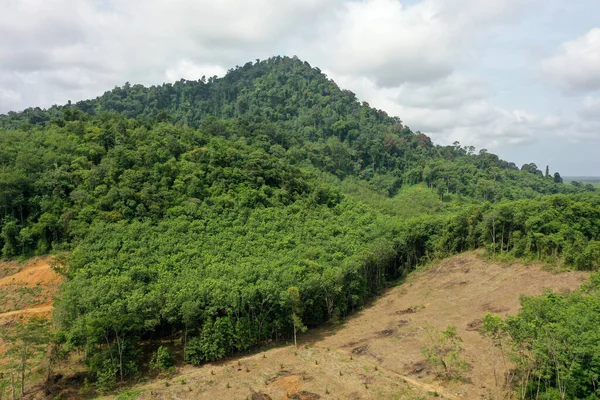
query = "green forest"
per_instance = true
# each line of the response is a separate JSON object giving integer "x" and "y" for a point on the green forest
{"x": 226, "y": 212}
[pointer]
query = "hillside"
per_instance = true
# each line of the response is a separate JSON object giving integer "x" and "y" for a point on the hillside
{"x": 230, "y": 213}
{"x": 376, "y": 353}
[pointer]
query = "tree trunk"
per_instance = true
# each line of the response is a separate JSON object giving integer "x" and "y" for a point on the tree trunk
{"x": 295, "y": 343}
{"x": 23, "y": 361}
{"x": 329, "y": 304}
{"x": 120, "y": 350}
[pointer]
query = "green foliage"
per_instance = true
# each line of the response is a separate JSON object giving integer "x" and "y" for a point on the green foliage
{"x": 162, "y": 359}
{"x": 24, "y": 347}
{"x": 128, "y": 395}
{"x": 444, "y": 353}
{"x": 136, "y": 152}
{"x": 546, "y": 229}
{"x": 554, "y": 342}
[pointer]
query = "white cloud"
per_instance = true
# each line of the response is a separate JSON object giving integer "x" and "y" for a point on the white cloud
{"x": 186, "y": 69}
{"x": 450, "y": 92}
{"x": 393, "y": 43}
{"x": 389, "y": 42}
{"x": 71, "y": 50}
{"x": 103, "y": 44}
{"x": 588, "y": 124}
{"x": 8, "y": 96}
{"x": 456, "y": 108}
{"x": 576, "y": 67}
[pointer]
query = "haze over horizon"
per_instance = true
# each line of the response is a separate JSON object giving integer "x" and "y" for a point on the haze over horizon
{"x": 518, "y": 77}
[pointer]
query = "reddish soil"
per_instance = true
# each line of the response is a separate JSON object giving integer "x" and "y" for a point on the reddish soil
{"x": 27, "y": 289}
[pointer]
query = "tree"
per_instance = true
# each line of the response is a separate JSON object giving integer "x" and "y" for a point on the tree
{"x": 162, "y": 360}
{"x": 553, "y": 343}
{"x": 557, "y": 178}
{"x": 192, "y": 207}
{"x": 294, "y": 305}
{"x": 496, "y": 330}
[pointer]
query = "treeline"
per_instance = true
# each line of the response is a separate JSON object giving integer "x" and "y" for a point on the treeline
{"x": 291, "y": 110}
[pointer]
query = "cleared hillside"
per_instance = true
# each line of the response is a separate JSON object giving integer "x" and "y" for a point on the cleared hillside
{"x": 376, "y": 353}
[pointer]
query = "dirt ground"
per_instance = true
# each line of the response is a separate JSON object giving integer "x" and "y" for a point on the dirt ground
{"x": 376, "y": 353}
{"x": 27, "y": 289}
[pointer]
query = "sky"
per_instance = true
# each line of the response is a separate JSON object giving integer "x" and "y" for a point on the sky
{"x": 520, "y": 78}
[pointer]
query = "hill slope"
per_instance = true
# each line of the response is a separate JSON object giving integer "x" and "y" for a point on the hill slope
{"x": 377, "y": 352}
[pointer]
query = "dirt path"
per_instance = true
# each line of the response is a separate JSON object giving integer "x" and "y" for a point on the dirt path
{"x": 376, "y": 353}
{"x": 39, "y": 309}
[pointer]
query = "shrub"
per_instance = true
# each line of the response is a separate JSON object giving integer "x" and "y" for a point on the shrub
{"x": 162, "y": 360}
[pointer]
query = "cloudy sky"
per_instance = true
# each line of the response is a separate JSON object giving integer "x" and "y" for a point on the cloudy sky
{"x": 518, "y": 77}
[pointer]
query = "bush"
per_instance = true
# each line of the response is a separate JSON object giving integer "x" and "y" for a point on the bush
{"x": 214, "y": 342}
{"x": 444, "y": 353}
{"x": 162, "y": 360}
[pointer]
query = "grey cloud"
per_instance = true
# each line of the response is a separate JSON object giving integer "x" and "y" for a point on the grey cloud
{"x": 448, "y": 111}
{"x": 450, "y": 92}
{"x": 424, "y": 61}
{"x": 590, "y": 109}
{"x": 389, "y": 42}
{"x": 50, "y": 51}
{"x": 576, "y": 67}
{"x": 393, "y": 43}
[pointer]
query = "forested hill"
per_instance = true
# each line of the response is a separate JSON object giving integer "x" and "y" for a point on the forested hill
{"x": 292, "y": 111}
{"x": 233, "y": 211}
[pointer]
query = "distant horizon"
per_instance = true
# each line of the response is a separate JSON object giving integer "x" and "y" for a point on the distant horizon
{"x": 580, "y": 178}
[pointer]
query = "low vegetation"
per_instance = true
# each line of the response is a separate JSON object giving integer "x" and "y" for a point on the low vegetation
{"x": 443, "y": 352}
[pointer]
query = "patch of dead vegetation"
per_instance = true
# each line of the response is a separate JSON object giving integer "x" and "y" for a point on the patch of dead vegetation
{"x": 475, "y": 325}
{"x": 364, "y": 349}
{"x": 417, "y": 367}
{"x": 409, "y": 310}
{"x": 260, "y": 396}
{"x": 488, "y": 307}
{"x": 386, "y": 332}
{"x": 304, "y": 395}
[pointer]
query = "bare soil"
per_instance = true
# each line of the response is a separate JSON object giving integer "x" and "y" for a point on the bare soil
{"x": 376, "y": 353}
{"x": 27, "y": 289}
